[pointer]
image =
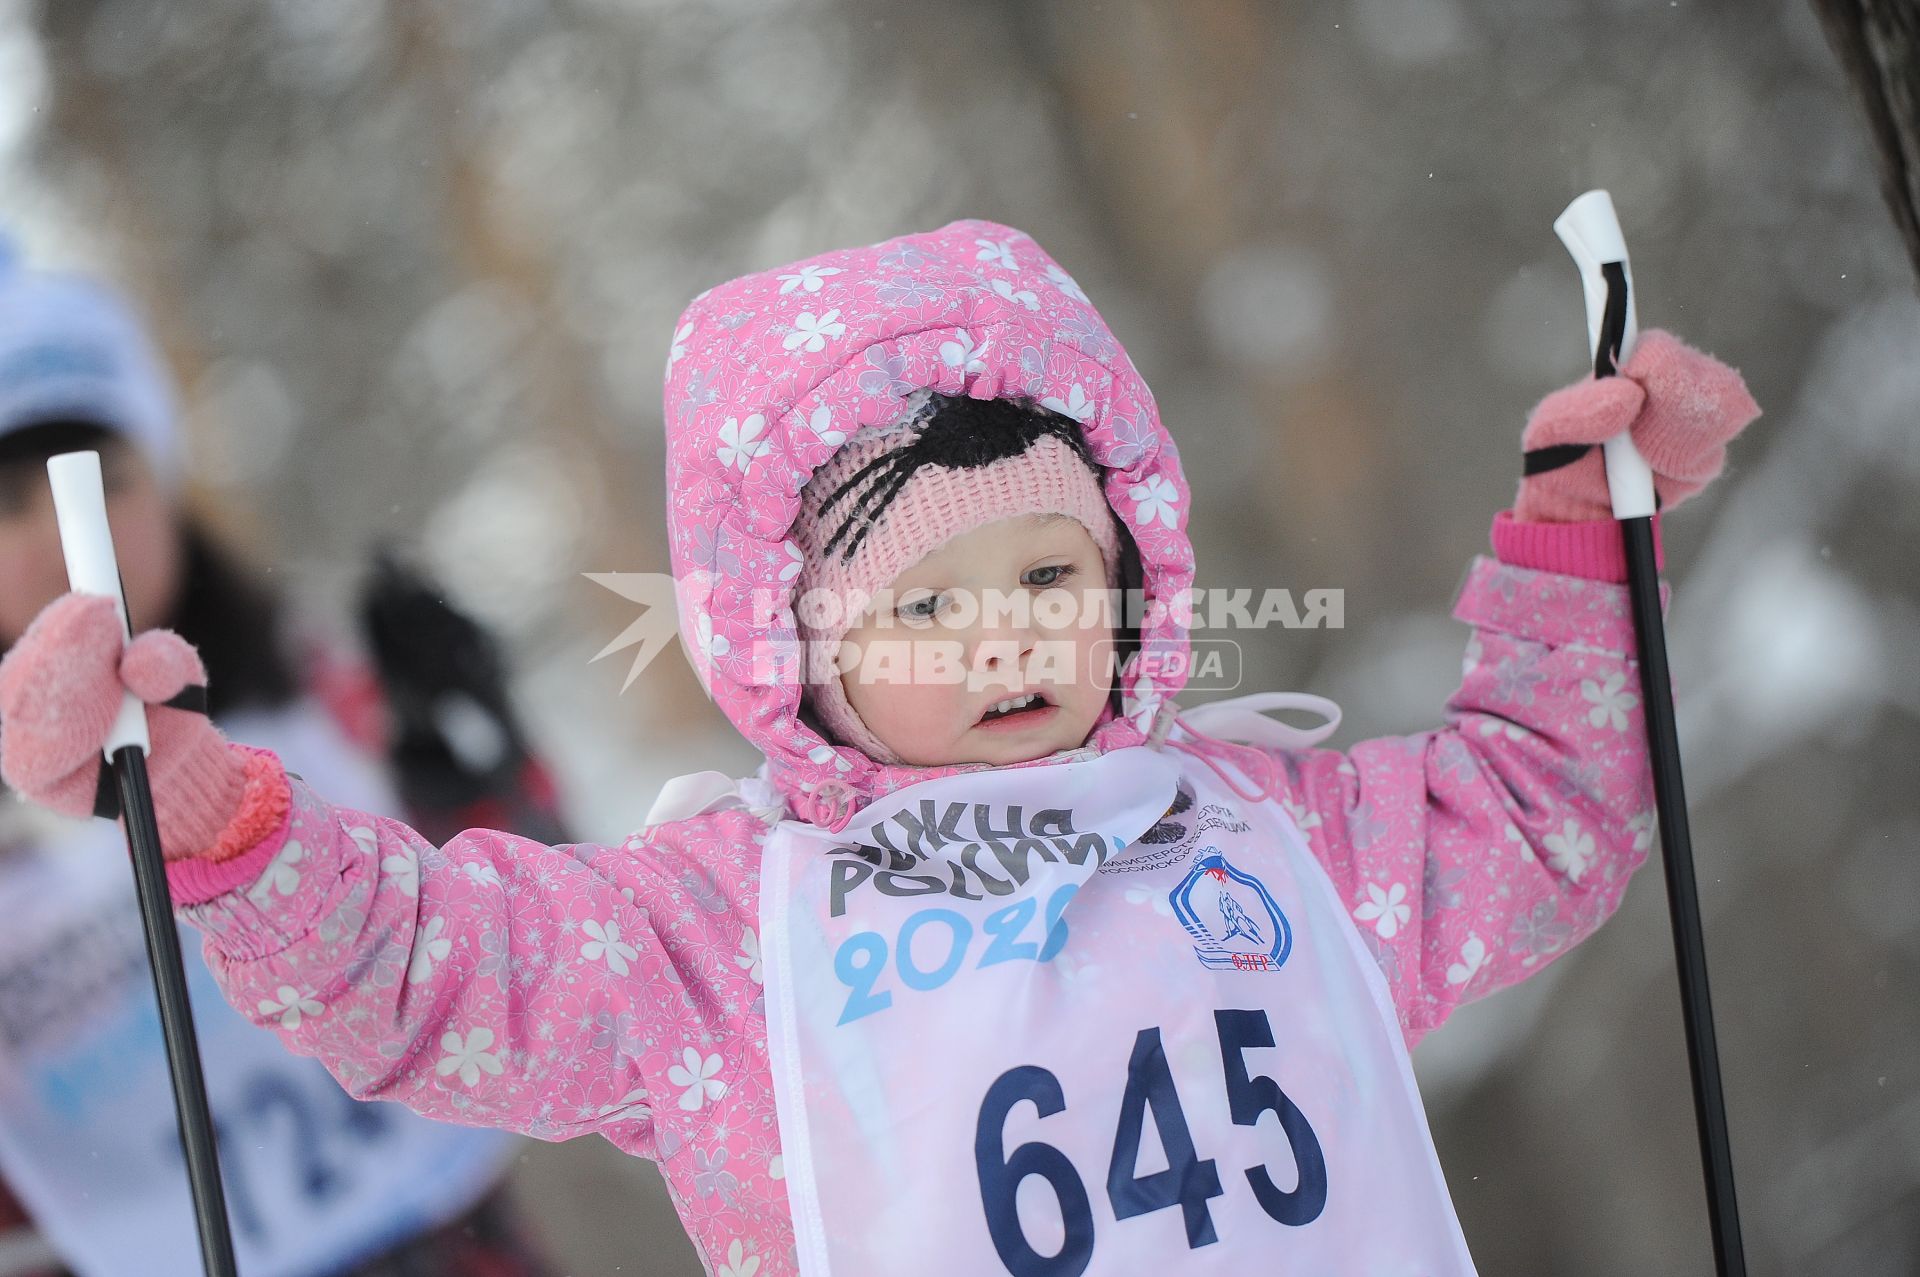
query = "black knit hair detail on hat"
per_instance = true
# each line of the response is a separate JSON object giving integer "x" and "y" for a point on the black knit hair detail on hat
{"x": 961, "y": 433}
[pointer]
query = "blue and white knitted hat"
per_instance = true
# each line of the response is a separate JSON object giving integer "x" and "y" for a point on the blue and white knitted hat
{"x": 73, "y": 349}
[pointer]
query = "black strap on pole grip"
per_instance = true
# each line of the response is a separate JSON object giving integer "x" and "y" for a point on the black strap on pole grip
{"x": 1606, "y": 363}
{"x": 106, "y": 794}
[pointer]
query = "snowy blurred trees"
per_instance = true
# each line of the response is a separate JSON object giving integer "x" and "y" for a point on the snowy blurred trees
{"x": 418, "y": 264}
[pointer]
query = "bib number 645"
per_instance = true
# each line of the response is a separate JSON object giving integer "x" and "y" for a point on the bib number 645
{"x": 1188, "y": 1182}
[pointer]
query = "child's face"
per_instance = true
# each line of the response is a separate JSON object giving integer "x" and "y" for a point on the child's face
{"x": 1008, "y": 609}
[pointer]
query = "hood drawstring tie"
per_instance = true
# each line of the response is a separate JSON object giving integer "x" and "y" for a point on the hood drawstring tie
{"x": 834, "y": 805}
{"x": 1245, "y": 736}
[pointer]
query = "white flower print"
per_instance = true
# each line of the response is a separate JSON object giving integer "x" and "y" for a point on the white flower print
{"x": 1611, "y": 702}
{"x": 997, "y": 251}
{"x": 1642, "y": 827}
{"x": 468, "y": 1056}
{"x": 365, "y": 839}
{"x": 290, "y": 1006}
{"x": 429, "y": 947}
{"x": 739, "y": 1263}
{"x": 809, "y": 279}
{"x": 748, "y": 959}
{"x": 280, "y": 877}
{"x": 606, "y": 943}
{"x": 1304, "y": 817}
{"x": 811, "y": 332}
{"x": 1473, "y": 956}
{"x": 824, "y": 754}
{"x": 795, "y": 562}
{"x": 1078, "y": 973}
{"x": 481, "y": 874}
{"x": 679, "y": 350}
{"x": 633, "y": 1106}
{"x": 1157, "y": 899}
{"x": 1525, "y": 848}
{"x": 1158, "y": 498}
{"x": 713, "y": 645}
{"x": 404, "y": 870}
{"x": 1496, "y": 726}
{"x": 697, "y": 1075}
{"x": 740, "y": 441}
{"x": 1021, "y": 296}
{"x": 1386, "y": 910}
{"x": 1075, "y": 405}
{"x": 821, "y": 423}
{"x": 1064, "y": 282}
{"x": 777, "y": 1166}
{"x": 1570, "y": 850}
{"x": 961, "y": 353}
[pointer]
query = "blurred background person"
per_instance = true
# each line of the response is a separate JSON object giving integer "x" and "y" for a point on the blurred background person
{"x": 317, "y": 1183}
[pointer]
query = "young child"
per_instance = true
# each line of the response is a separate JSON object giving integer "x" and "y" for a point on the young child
{"x": 913, "y": 996}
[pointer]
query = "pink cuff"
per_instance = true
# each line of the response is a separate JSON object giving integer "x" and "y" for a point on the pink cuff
{"x": 248, "y": 844}
{"x": 1592, "y": 548}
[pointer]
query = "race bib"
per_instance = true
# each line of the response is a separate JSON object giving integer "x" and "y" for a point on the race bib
{"x": 1098, "y": 1017}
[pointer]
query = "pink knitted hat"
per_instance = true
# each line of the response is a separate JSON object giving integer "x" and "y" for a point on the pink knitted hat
{"x": 929, "y": 484}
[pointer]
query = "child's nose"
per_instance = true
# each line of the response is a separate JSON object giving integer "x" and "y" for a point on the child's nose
{"x": 1003, "y": 649}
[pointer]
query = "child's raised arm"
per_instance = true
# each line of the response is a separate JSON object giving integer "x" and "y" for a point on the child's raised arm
{"x": 1473, "y": 855}
{"x": 490, "y": 981}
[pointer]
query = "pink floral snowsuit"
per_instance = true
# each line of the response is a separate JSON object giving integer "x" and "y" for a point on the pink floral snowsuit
{"x": 617, "y": 990}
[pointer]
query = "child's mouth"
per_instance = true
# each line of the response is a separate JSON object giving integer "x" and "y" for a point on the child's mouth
{"x": 1027, "y": 709}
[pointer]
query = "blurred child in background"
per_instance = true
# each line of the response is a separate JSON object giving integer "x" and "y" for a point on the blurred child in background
{"x": 317, "y": 1183}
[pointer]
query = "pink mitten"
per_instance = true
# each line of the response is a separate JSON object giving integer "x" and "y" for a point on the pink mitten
{"x": 60, "y": 690}
{"x": 1683, "y": 406}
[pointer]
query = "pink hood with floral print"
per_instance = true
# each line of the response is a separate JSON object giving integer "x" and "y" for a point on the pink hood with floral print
{"x": 771, "y": 372}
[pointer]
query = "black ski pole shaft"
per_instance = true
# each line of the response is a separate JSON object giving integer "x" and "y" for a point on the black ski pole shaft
{"x": 1591, "y": 232}
{"x": 80, "y": 506}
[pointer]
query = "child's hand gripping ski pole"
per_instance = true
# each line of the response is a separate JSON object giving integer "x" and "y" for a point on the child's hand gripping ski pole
{"x": 85, "y": 539}
{"x": 1591, "y": 232}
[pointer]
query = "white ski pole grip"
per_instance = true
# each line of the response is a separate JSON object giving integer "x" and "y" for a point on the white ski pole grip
{"x": 80, "y": 508}
{"x": 1591, "y": 232}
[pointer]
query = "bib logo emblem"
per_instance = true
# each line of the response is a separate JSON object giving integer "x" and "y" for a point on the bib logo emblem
{"x": 1233, "y": 920}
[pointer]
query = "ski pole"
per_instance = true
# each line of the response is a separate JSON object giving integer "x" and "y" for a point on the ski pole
{"x": 1591, "y": 232}
{"x": 80, "y": 507}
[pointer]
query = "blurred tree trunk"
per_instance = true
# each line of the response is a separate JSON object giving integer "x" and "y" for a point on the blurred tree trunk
{"x": 1878, "y": 42}
{"x": 1165, "y": 107}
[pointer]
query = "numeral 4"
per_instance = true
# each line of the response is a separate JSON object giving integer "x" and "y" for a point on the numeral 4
{"x": 1188, "y": 1182}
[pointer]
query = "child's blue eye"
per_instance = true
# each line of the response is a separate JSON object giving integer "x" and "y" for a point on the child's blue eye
{"x": 921, "y": 609}
{"x": 1060, "y": 572}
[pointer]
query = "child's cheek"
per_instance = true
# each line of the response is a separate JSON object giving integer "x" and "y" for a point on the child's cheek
{"x": 916, "y": 718}
{"x": 1095, "y": 673}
